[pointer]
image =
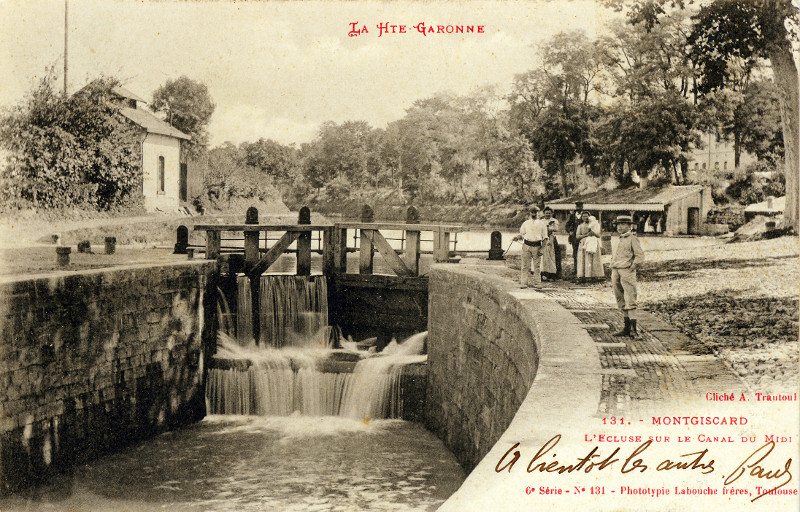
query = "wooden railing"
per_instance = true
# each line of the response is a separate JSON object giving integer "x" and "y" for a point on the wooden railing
{"x": 333, "y": 247}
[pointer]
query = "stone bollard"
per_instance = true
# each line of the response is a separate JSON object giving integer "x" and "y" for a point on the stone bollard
{"x": 605, "y": 244}
{"x": 111, "y": 244}
{"x": 182, "y": 240}
{"x": 63, "y": 255}
{"x": 496, "y": 246}
{"x": 412, "y": 215}
{"x": 304, "y": 215}
{"x": 367, "y": 215}
{"x": 251, "y": 216}
{"x": 85, "y": 246}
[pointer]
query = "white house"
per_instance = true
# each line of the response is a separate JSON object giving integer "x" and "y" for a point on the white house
{"x": 718, "y": 154}
{"x": 164, "y": 176}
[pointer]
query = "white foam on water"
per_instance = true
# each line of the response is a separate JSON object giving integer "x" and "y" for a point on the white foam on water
{"x": 373, "y": 390}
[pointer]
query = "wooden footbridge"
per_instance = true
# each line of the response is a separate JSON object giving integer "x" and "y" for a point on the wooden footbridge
{"x": 332, "y": 243}
{"x": 386, "y": 306}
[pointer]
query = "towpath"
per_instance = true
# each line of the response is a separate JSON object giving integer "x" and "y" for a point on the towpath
{"x": 640, "y": 374}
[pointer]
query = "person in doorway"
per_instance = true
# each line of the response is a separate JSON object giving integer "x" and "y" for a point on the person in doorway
{"x": 627, "y": 257}
{"x": 532, "y": 232}
{"x": 571, "y": 227}
{"x": 590, "y": 265}
{"x": 551, "y": 252}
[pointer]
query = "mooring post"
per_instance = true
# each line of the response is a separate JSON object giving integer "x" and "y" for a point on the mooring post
{"x": 251, "y": 254}
{"x": 411, "y": 254}
{"x": 496, "y": 246}
{"x": 63, "y": 255}
{"x": 367, "y": 251}
{"x": 304, "y": 244}
{"x": 111, "y": 244}
{"x": 182, "y": 241}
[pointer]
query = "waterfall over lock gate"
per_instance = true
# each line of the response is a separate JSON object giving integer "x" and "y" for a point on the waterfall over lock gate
{"x": 294, "y": 367}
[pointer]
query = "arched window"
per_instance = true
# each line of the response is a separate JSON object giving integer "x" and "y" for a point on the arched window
{"x": 161, "y": 174}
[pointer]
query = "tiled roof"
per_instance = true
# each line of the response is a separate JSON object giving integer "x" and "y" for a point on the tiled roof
{"x": 648, "y": 199}
{"x": 778, "y": 205}
{"x": 151, "y": 123}
{"x": 125, "y": 93}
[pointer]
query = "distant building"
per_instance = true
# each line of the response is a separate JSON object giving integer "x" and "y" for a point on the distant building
{"x": 671, "y": 210}
{"x": 718, "y": 154}
{"x": 772, "y": 207}
{"x": 165, "y": 178}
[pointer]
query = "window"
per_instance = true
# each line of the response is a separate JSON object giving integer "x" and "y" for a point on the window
{"x": 716, "y": 166}
{"x": 161, "y": 175}
{"x": 725, "y": 164}
{"x": 696, "y": 166}
{"x": 704, "y": 166}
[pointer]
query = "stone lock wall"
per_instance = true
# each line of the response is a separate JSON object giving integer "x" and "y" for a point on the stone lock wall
{"x": 91, "y": 362}
{"x": 482, "y": 359}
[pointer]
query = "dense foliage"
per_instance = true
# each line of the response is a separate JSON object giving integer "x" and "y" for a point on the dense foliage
{"x": 69, "y": 151}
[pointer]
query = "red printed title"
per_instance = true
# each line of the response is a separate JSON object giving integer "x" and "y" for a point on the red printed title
{"x": 386, "y": 28}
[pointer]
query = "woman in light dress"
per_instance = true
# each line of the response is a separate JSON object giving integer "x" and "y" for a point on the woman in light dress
{"x": 590, "y": 265}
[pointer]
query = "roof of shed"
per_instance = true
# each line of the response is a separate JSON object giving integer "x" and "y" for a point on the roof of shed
{"x": 648, "y": 199}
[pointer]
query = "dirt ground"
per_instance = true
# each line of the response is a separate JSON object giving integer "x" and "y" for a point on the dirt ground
{"x": 740, "y": 298}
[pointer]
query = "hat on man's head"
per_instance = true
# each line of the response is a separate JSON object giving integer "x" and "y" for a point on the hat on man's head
{"x": 533, "y": 209}
{"x": 623, "y": 219}
{"x": 579, "y": 204}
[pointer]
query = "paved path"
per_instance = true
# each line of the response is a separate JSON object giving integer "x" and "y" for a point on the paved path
{"x": 639, "y": 374}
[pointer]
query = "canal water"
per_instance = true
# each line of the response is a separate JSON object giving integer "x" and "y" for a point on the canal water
{"x": 239, "y": 463}
{"x": 293, "y": 437}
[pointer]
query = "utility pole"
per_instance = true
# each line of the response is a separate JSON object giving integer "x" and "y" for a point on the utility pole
{"x": 66, "y": 36}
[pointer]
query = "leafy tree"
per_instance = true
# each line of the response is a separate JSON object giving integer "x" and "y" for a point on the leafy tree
{"x": 518, "y": 171}
{"x": 68, "y": 151}
{"x": 729, "y": 29}
{"x": 281, "y": 163}
{"x": 187, "y": 106}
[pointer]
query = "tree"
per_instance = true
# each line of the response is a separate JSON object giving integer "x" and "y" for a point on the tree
{"x": 69, "y": 151}
{"x": 186, "y": 105}
{"x": 766, "y": 28}
{"x": 279, "y": 162}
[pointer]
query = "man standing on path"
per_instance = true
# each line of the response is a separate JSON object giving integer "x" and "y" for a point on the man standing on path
{"x": 532, "y": 232}
{"x": 627, "y": 257}
{"x": 571, "y": 227}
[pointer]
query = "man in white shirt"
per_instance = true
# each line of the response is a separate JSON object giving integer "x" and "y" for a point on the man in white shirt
{"x": 532, "y": 232}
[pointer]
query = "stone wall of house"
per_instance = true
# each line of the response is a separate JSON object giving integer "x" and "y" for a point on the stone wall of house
{"x": 93, "y": 361}
{"x": 483, "y": 355}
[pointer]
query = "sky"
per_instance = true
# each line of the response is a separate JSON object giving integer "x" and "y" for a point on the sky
{"x": 277, "y": 70}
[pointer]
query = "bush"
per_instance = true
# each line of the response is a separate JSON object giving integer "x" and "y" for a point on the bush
{"x": 74, "y": 151}
{"x": 755, "y": 183}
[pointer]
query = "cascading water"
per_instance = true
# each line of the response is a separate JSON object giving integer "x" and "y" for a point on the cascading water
{"x": 373, "y": 390}
{"x": 292, "y": 308}
{"x": 287, "y": 372}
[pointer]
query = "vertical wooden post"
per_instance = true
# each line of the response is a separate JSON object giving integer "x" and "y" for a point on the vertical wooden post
{"x": 212, "y": 244}
{"x": 441, "y": 246}
{"x": 366, "y": 253}
{"x": 328, "y": 237}
{"x": 304, "y": 244}
{"x": 339, "y": 243}
{"x": 411, "y": 254}
{"x": 251, "y": 254}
